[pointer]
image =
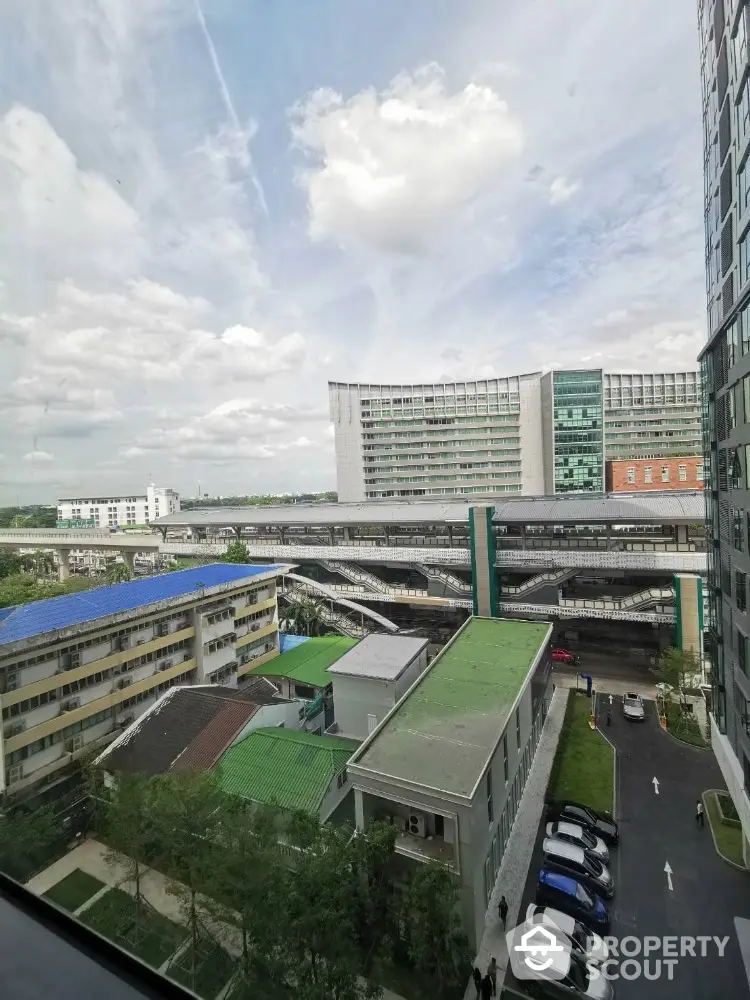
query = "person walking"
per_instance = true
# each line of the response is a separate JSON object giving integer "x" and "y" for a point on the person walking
{"x": 502, "y": 909}
{"x": 477, "y": 976}
{"x": 492, "y": 973}
{"x": 486, "y": 988}
{"x": 699, "y": 818}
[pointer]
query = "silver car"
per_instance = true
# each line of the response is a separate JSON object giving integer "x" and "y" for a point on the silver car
{"x": 581, "y": 937}
{"x": 573, "y": 833}
{"x": 632, "y": 707}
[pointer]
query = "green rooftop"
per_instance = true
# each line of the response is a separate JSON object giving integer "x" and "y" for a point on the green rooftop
{"x": 308, "y": 663}
{"x": 284, "y": 766}
{"x": 444, "y": 732}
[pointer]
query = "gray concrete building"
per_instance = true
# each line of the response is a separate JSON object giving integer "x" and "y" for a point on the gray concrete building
{"x": 533, "y": 434}
{"x": 725, "y": 375}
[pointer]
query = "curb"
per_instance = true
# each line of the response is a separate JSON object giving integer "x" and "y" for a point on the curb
{"x": 614, "y": 760}
{"x": 677, "y": 739}
{"x": 712, "y": 791}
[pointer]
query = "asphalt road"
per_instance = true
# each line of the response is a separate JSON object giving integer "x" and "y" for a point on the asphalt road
{"x": 707, "y": 893}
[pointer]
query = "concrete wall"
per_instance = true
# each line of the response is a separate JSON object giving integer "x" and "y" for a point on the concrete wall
{"x": 532, "y": 444}
{"x": 356, "y": 698}
{"x": 344, "y": 410}
{"x": 412, "y": 672}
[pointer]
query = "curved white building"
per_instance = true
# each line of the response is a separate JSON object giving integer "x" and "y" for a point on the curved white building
{"x": 533, "y": 434}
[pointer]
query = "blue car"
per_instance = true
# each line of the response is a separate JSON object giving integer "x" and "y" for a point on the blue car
{"x": 572, "y": 897}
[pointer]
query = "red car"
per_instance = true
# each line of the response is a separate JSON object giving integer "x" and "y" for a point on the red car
{"x": 562, "y": 656}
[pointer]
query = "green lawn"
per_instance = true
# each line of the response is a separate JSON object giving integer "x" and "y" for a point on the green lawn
{"x": 213, "y": 967}
{"x": 728, "y": 838}
{"x": 684, "y": 726}
{"x": 583, "y": 765}
{"x": 152, "y": 939}
{"x": 73, "y": 891}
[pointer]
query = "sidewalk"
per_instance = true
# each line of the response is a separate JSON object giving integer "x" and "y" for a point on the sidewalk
{"x": 514, "y": 867}
{"x": 606, "y": 685}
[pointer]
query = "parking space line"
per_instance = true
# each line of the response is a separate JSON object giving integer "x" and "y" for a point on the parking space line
{"x": 742, "y": 929}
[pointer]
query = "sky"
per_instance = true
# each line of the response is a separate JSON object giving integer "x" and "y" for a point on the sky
{"x": 209, "y": 208}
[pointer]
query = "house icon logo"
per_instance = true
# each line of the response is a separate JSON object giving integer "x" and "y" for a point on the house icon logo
{"x": 538, "y": 951}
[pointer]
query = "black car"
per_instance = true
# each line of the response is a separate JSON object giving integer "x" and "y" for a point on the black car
{"x": 600, "y": 823}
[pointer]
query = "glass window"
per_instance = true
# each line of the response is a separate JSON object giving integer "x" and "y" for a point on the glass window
{"x": 648, "y": 474}
{"x": 746, "y": 399}
{"x": 740, "y": 590}
{"x": 682, "y": 472}
{"x": 631, "y": 475}
{"x": 505, "y": 758}
{"x": 744, "y": 272}
{"x": 665, "y": 473}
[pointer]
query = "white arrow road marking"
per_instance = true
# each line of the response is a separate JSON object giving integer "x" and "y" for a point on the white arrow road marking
{"x": 668, "y": 870}
{"x": 656, "y": 784}
{"x": 610, "y": 699}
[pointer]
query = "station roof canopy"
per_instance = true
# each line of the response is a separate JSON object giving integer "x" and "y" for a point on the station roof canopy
{"x": 677, "y": 507}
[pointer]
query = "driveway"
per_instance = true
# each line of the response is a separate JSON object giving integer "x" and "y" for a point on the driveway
{"x": 655, "y": 829}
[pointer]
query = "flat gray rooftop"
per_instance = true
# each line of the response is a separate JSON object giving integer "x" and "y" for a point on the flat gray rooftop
{"x": 382, "y": 657}
{"x": 445, "y": 730}
{"x": 679, "y": 507}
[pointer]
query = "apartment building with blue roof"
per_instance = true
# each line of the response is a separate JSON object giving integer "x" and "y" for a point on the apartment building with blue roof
{"x": 75, "y": 671}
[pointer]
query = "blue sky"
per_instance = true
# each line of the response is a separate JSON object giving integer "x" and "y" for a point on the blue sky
{"x": 209, "y": 209}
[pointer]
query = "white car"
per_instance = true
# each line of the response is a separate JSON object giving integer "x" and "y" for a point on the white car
{"x": 632, "y": 707}
{"x": 573, "y": 833}
{"x": 585, "y": 941}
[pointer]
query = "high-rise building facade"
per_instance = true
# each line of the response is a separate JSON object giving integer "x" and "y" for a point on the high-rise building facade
{"x": 117, "y": 512}
{"x": 725, "y": 376}
{"x": 528, "y": 434}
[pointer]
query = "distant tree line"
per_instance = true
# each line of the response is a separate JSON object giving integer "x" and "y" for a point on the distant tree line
{"x": 259, "y": 500}
{"x": 35, "y": 516}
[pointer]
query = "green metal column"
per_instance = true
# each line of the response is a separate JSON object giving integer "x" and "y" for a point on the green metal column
{"x": 483, "y": 575}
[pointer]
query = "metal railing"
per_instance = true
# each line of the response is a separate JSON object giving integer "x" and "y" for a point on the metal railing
{"x": 449, "y": 579}
{"x": 553, "y": 579}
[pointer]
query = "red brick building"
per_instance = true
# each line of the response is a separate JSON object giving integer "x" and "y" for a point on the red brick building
{"x": 636, "y": 475}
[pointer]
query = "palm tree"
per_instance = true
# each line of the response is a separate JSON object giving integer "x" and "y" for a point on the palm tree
{"x": 304, "y": 616}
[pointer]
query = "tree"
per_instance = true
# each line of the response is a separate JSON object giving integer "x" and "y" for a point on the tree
{"x": 376, "y": 918}
{"x": 128, "y": 828}
{"x": 26, "y": 839}
{"x": 680, "y": 669}
{"x": 249, "y": 884}
{"x": 186, "y": 813}
{"x": 437, "y": 944}
{"x": 321, "y": 898}
{"x": 304, "y": 616}
{"x": 236, "y": 552}
{"x": 117, "y": 572}
{"x": 10, "y": 564}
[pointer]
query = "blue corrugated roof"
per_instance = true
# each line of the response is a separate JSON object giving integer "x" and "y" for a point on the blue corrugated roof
{"x": 289, "y": 641}
{"x": 39, "y": 617}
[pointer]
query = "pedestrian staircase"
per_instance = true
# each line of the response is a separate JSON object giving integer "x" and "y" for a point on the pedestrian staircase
{"x": 355, "y": 573}
{"x": 642, "y": 599}
{"x": 450, "y": 580}
{"x": 554, "y": 578}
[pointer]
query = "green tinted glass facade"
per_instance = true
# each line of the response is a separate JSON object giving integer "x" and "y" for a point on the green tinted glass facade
{"x": 578, "y": 405}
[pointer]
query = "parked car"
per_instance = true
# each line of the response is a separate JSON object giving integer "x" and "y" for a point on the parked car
{"x": 563, "y": 656}
{"x": 590, "y": 943}
{"x": 580, "y": 863}
{"x": 574, "y": 833}
{"x": 599, "y": 823}
{"x": 563, "y": 892}
{"x": 632, "y": 707}
{"x": 566, "y": 976}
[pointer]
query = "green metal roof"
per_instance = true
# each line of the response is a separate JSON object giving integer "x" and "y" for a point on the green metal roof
{"x": 287, "y": 767}
{"x": 444, "y": 732}
{"x": 308, "y": 663}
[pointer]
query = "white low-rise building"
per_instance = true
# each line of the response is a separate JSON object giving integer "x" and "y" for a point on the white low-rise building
{"x": 116, "y": 512}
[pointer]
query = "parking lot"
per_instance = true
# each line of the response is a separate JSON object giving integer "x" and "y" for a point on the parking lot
{"x": 707, "y": 893}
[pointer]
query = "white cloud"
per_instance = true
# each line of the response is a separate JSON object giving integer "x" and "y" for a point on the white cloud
{"x": 561, "y": 190}
{"x": 38, "y": 456}
{"x": 388, "y": 168}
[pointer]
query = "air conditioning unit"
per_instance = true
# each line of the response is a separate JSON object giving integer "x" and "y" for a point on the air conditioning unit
{"x": 162, "y": 629}
{"x": 11, "y": 682}
{"x": 125, "y": 720}
{"x": 139, "y": 642}
{"x": 255, "y": 627}
{"x": 74, "y": 743}
{"x": 165, "y": 665}
{"x": 15, "y": 774}
{"x": 123, "y": 642}
{"x": 416, "y": 824}
{"x": 75, "y": 659}
{"x": 186, "y": 657}
{"x": 17, "y": 728}
{"x": 70, "y": 704}
{"x": 124, "y": 682}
